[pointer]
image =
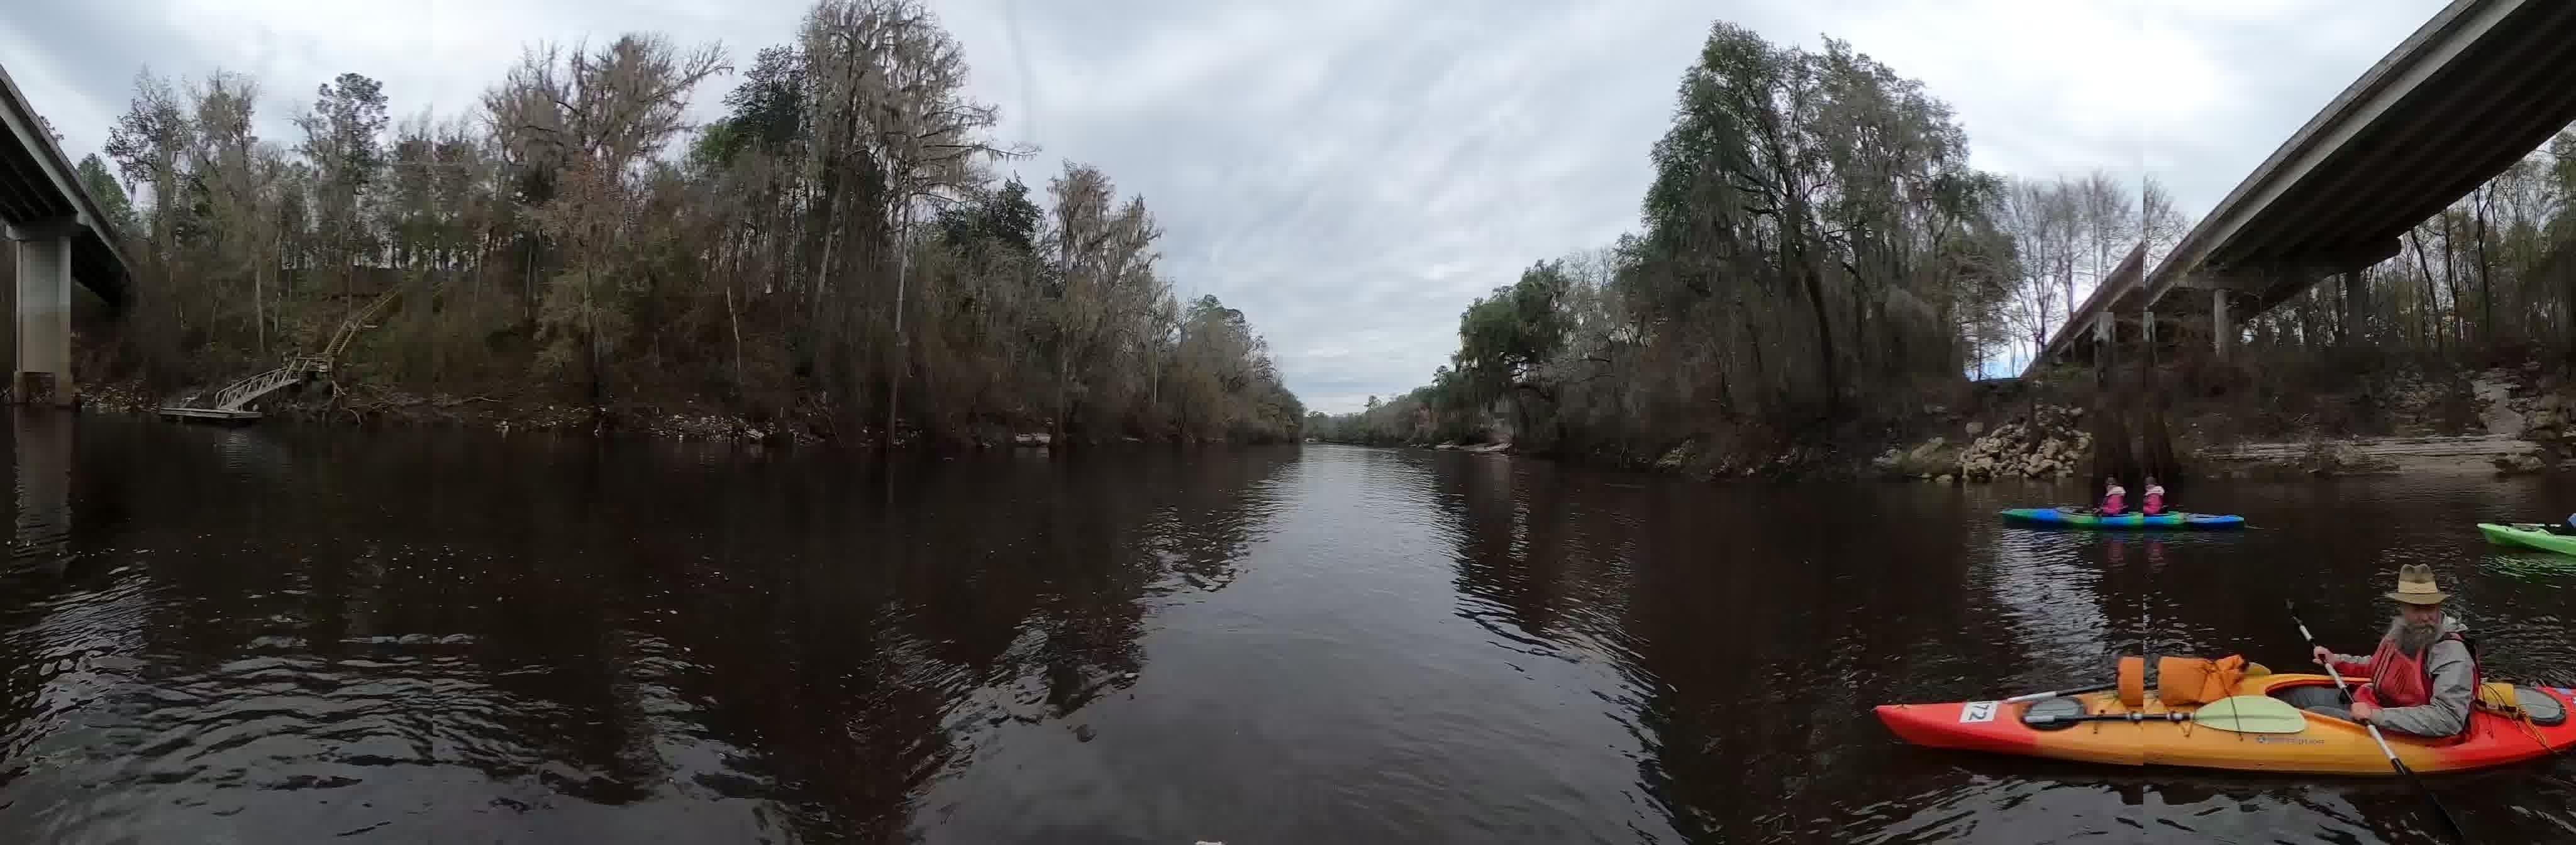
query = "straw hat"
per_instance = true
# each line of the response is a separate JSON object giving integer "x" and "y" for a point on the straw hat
{"x": 2415, "y": 585}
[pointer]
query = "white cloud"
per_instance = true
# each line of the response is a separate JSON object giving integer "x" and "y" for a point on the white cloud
{"x": 1350, "y": 173}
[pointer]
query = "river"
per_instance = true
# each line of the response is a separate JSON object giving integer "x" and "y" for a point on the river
{"x": 283, "y": 634}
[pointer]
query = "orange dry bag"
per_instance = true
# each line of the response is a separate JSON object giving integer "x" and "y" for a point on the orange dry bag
{"x": 2133, "y": 681}
{"x": 2197, "y": 680}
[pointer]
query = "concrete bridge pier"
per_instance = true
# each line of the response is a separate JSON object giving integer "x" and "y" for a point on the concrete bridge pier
{"x": 40, "y": 371}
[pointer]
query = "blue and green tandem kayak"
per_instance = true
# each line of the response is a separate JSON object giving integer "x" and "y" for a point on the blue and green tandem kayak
{"x": 2084, "y": 518}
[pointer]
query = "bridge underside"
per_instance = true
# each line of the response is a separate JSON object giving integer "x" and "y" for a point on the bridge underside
{"x": 35, "y": 210}
{"x": 2476, "y": 89}
{"x": 2500, "y": 96}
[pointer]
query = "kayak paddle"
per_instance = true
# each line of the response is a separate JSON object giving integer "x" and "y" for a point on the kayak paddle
{"x": 2418, "y": 783}
{"x": 2055, "y": 693}
{"x": 2245, "y": 714}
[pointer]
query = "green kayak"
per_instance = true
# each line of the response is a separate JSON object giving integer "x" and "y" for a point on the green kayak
{"x": 2528, "y": 536}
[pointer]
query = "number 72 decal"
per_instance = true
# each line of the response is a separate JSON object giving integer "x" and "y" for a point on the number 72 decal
{"x": 1977, "y": 711}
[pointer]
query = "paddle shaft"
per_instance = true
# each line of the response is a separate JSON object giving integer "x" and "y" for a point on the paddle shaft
{"x": 2400, "y": 765}
{"x": 2055, "y": 693}
{"x": 2347, "y": 694}
{"x": 2170, "y": 716}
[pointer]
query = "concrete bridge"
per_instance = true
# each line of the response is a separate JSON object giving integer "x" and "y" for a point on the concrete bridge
{"x": 59, "y": 236}
{"x": 2475, "y": 89}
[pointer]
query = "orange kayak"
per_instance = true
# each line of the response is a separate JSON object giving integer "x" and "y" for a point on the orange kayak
{"x": 2507, "y": 726}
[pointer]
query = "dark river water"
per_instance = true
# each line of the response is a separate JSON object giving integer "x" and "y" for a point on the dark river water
{"x": 287, "y": 635}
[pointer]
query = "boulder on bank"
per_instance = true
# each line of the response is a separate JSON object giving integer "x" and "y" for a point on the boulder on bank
{"x": 1924, "y": 461}
{"x": 2048, "y": 444}
{"x": 2520, "y": 464}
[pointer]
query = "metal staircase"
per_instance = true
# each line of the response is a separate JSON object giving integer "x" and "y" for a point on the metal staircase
{"x": 233, "y": 402}
{"x": 238, "y": 395}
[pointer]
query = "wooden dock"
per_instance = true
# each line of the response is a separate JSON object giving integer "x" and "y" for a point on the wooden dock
{"x": 212, "y": 415}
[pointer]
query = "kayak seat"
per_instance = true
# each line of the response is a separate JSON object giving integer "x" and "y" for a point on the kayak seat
{"x": 2321, "y": 699}
{"x": 2049, "y": 714}
{"x": 2512, "y": 701}
{"x": 2324, "y": 700}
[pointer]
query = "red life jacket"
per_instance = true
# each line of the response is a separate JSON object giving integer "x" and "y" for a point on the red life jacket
{"x": 2154, "y": 503}
{"x": 2111, "y": 504}
{"x": 2398, "y": 679}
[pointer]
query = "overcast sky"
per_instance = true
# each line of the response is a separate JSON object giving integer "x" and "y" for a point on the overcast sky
{"x": 1349, "y": 173}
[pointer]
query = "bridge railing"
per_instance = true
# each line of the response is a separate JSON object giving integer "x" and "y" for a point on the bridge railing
{"x": 243, "y": 392}
{"x": 238, "y": 395}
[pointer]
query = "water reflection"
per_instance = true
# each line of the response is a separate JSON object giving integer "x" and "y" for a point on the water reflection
{"x": 283, "y": 635}
{"x": 307, "y": 634}
{"x": 1748, "y": 641}
{"x": 41, "y": 463}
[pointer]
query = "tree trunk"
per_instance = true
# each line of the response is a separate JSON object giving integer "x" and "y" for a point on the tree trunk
{"x": 528, "y": 281}
{"x": 2486, "y": 282}
{"x": 1063, "y": 357}
{"x": 2567, "y": 336}
{"x": 1813, "y": 283}
{"x": 733, "y": 316}
{"x": 1753, "y": 345}
{"x": 2451, "y": 283}
{"x": 902, "y": 357}
{"x": 590, "y": 331}
{"x": 2066, "y": 282}
{"x": 2426, "y": 316}
{"x": 259, "y": 304}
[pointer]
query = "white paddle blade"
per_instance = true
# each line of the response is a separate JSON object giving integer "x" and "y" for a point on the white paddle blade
{"x": 2251, "y": 714}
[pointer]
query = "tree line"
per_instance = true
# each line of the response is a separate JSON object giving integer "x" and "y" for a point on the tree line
{"x": 1814, "y": 244}
{"x": 1816, "y": 255}
{"x": 837, "y": 250}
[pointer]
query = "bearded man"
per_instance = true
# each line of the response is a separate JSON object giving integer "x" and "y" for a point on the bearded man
{"x": 2422, "y": 675}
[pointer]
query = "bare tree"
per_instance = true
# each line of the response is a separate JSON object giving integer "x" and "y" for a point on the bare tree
{"x": 2110, "y": 221}
{"x": 840, "y": 225}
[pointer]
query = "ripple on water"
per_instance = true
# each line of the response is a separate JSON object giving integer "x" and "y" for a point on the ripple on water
{"x": 289, "y": 636}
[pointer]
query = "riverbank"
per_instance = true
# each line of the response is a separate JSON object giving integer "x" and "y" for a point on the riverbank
{"x": 2496, "y": 421}
{"x": 369, "y": 407}
{"x": 2499, "y": 420}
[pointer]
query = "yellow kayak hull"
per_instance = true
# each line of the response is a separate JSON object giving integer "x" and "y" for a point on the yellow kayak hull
{"x": 2327, "y": 745}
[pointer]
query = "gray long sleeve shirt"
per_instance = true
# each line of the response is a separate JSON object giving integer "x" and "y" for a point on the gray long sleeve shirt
{"x": 2447, "y": 710}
